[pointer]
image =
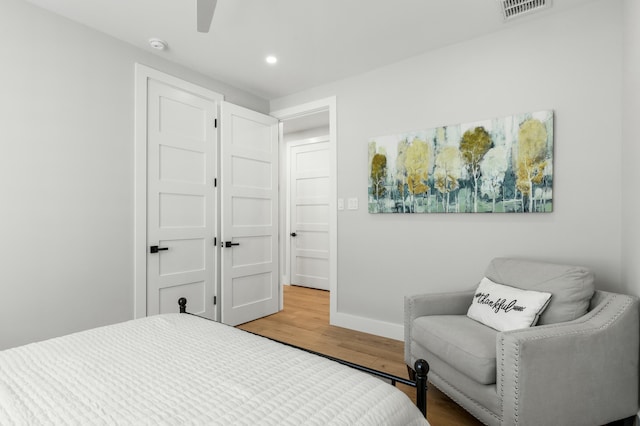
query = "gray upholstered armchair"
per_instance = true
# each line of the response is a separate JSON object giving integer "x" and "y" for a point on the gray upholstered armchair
{"x": 578, "y": 366}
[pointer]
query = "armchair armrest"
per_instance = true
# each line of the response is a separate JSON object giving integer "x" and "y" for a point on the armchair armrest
{"x": 595, "y": 356}
{"x": 454, "y": 303}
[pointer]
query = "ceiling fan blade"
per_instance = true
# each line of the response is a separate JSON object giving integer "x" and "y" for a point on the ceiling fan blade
{"x": 205, "y": 9}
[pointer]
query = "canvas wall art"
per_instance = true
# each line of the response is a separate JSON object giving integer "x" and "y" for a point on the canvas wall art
{"x": 502, "y": 165}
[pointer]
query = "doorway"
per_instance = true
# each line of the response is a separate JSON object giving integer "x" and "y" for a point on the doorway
{"x": 309, "y": 224}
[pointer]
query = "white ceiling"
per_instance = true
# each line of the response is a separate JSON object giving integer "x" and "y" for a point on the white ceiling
{"x": 316, "y": 41}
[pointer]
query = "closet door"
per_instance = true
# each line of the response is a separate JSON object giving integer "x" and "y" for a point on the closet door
{"x": 181, "y": 200}
{"x": 249, "y": 214}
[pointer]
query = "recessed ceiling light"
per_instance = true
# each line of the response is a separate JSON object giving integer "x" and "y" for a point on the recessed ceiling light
{"x": 157, "y": 44}
{"x": 271, "y": 60}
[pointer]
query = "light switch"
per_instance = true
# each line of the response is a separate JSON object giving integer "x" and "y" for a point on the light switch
{"x": 340, "y": 203}
{"x": 352, "y": 204}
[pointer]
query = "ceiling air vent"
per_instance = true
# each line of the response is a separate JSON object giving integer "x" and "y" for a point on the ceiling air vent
{"x": 514, "y": 8}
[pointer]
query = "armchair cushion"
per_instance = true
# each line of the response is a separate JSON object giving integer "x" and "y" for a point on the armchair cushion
{"x": 571, "y": 286}
{"x": 465, "y": 344}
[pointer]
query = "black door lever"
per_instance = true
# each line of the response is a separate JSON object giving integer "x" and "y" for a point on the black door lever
{"x": 229, "y": 244}
{"x": 155, "y": 249}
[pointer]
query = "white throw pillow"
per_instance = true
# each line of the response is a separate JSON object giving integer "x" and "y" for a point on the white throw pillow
{"x": 507, "y": 308}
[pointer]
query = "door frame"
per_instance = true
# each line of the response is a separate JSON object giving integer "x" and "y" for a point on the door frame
{"x": 143, "y": 74}
{"x": 326, "y": 104}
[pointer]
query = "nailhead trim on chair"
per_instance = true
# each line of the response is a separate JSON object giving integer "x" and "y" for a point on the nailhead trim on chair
{"x": 516, "y": 395}
{"x": 500, "y": 383}
{"x": 550, "y": 327}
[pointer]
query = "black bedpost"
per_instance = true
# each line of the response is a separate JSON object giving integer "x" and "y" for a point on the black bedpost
{"x": 421, "y": 368}
{"x": 183, "y": 305}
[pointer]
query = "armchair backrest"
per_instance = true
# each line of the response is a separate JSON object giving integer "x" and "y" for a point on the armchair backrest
{"x": 572, "y": 287}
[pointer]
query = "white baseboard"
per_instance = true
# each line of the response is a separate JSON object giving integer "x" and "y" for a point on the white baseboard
{"x": 368, "y": 325}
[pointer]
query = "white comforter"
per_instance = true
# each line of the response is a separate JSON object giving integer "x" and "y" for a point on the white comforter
{"x": 179, "y": 369}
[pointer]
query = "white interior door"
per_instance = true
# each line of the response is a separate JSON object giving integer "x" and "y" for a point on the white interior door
{"x": 249, "y": 199}
{"x": 309, "y": 214}
{"x": 181, "y": 197}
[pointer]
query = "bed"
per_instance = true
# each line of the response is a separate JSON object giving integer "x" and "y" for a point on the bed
{"x": 181, "y": 369}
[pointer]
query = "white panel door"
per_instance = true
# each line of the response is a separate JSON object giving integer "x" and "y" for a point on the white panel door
{"x": 182, "y": 207}
{"x": 249, "y": 199}
{"x": 309, "y": 214}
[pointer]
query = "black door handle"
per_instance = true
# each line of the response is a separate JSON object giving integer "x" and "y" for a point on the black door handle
{"x": 229, "y": 244}
{"x": 293, "y": 234}
{"x": 155, "y": 249}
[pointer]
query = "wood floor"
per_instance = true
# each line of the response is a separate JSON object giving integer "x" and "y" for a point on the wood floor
{"x": 305, "y": 322}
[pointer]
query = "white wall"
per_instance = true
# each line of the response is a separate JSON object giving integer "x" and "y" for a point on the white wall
{"x": 571, "y": 63}
{"x": 631, "y": 148}
{"x": 66, "y": 172}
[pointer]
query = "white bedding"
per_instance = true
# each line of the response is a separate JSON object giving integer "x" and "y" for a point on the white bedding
{"x": 179, "y": 369}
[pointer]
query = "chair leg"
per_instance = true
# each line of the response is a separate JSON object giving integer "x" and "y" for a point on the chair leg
{"x": 412, "y": 373}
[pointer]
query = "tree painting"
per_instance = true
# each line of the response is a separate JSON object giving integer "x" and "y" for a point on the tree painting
{"x": 491, "y": 166}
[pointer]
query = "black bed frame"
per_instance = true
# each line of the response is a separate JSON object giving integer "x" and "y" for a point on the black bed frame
{"x": 421, "y": 367}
